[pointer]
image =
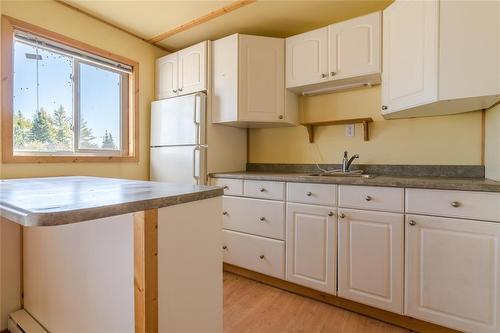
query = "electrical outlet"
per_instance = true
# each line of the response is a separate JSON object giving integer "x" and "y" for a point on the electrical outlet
{"x": 350, "y": 130}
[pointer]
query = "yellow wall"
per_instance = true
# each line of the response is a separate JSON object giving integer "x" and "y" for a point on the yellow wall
{"x": 58, "y": 18}
{"x": 437, "y": 140}
{"x": 492, "y": 155}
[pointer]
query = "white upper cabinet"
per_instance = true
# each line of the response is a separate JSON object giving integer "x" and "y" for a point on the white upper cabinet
{"x": 410, "y": 55}
{"x": 354, "y": 47}
{"x": 166, "y": 76}
{"x": 193, "y": 68}
{"x": 453, "y": 272}
{"x": 249, "y": 83}
{"x": 342, "y": 55}
{"x": 307, "y": 58}
{"x": 183, "y": 72}
{"x": 431, "y": 58}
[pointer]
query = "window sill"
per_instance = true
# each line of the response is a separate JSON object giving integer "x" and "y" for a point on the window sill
{"x": 68, "y": 159}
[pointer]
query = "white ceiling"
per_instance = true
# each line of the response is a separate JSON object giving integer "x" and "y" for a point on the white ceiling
{"x": 273, "y": 18}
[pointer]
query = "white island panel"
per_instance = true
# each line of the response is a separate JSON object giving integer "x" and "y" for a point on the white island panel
{"x": 80, "y": 277}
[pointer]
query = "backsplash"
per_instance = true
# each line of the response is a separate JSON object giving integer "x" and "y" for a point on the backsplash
{"x": 445, "y": 140}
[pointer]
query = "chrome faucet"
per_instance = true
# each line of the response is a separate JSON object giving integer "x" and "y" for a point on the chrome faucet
{"x": 346, "y": 162}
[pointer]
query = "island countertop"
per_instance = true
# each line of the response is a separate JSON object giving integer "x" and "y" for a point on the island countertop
{"x": 63, "y": 200}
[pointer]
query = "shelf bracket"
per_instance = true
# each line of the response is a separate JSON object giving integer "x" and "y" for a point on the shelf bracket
{"x": 364, "y": 121}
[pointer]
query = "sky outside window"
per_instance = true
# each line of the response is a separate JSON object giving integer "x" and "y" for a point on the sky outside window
{"x": 43, "y": 102}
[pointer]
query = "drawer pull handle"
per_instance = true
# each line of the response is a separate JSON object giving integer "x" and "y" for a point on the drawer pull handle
{"x": 262, "y": 219}
{"x": 261, "y": 256}
{"x": 263, "y": 190}
{"x": 456, "y": 204}
{"x": 412, "y": 222}
{"x": 309, "y": 194}
{"x": 226, "y": 187}
{"x": 342, "y": 215}
{"x": 368, "y": 198}
{"x": 224, "y": 247}
{"x": 225, "y": 213}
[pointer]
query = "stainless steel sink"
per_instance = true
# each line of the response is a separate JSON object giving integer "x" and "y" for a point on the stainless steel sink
{"x": 343, "y": 174}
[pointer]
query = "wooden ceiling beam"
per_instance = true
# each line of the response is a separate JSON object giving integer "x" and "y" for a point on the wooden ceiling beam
{"x": 200, "y": 20}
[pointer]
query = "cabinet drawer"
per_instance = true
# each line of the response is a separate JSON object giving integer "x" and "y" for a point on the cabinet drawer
{"x": 372, "y": 198}
{"x": 254, "y": 216}
{"x": 316, "y": 194}
{"x": 464, "y": 204}
{"x": 256, "y": 253}
{"x": 231, "y": 186}
{"x": 265, "y": 190}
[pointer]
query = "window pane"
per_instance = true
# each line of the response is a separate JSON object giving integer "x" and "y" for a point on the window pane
{"x": 43, "y": 100}
{"x": 100, "y": 108}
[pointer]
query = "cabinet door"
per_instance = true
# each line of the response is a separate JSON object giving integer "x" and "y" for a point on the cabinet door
{"x": 452, "y": 272}
{"x": 311, "y": 246}
{"x": 371, "y": 258}
{"x": 166, "y": 76}
{"x": 261, "y": 78}
{"x": 193, "y": 68}
{"x": 307, "y": 58}
{"x": 355, "y": 47}
{"x": 410, "y": 55}
{"x": 225, "y": 79}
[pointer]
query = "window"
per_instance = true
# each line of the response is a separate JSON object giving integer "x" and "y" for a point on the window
{"x": 67, "y": 100}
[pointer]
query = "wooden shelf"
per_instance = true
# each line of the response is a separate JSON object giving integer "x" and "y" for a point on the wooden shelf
{"x": 365, "y": 121}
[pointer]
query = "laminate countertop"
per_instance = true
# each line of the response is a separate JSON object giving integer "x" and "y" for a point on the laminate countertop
{"x": 440, "y": 183}
{"x": 63, "y": 200}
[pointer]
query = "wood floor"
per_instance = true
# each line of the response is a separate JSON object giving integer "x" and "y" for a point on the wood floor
{"x": 251, "y": 306}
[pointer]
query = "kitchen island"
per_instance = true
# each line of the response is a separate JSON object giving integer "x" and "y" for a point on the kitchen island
{"x": 114, "y": 255}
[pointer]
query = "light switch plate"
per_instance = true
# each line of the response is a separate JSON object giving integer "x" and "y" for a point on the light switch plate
{"x": 350, "y": 130}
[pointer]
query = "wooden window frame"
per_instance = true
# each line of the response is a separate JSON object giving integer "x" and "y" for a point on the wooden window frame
{"x": 130, "y": 140}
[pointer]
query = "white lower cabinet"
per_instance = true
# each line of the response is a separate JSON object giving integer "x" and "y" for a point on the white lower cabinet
{"x": 311, "y": 246}
{"x": 453, "y": 272}
{"x": 263, "y": 255}
{"x": 370, "y": 258}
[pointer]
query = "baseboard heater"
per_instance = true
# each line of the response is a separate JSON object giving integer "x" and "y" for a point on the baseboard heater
{"x": 22, "y": 322}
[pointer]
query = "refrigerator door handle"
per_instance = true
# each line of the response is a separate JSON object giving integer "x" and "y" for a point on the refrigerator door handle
{"x": 197, "y": 113}
{"x": 196, "y": 164}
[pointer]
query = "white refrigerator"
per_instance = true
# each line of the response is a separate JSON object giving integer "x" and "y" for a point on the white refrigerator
{"x": 178, "y": 139}
{"x": 186, "y": 146}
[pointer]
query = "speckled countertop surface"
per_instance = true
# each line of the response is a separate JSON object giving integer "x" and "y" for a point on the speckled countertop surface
{"x": 64, "y": 200}
{"x": 442, "y": 183}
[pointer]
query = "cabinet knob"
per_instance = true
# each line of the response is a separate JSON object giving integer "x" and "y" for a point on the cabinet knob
{"x": 330, "y": 214}
{"x": 263, "y": 190}
{"x": 324, "y": 75}
{"x": 262, "y": 219}
{"x": 332, "y": 73}
{"x": 224, "y": 247}
{"x": 368, "y": 198}
{"x": 280, "y": 117}
{"x": 412, "y": 222}
{"x": 226, "y": 187}
{"x": 456, "y": 204}
{"x": 225, "y": 213}
{"x": 384, "y": 107}
{"x": 174, "y": 91}
{"x": 180, "y": 89}
{"x": 309, "y": 194}
{"x": 261, "y": 256}
{"x": 342, "y": 215}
